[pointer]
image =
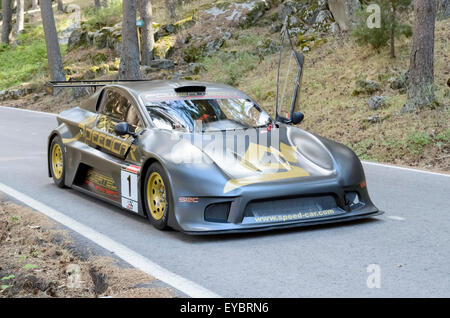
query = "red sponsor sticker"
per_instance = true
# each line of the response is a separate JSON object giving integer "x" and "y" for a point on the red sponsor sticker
{"x": 133, "y": 169}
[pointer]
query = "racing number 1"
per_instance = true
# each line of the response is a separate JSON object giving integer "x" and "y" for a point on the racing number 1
{"x": 129, "y": 182}
{"x": 129, "y": 185}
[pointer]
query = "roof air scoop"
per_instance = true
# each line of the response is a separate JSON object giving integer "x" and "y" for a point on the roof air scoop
{"x": 190, "y": 89}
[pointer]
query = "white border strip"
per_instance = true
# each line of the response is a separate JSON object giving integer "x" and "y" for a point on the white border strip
{"x": 28, "y": 110}
{"x": 140, "y": 262}
{"x": 404, "y": 168}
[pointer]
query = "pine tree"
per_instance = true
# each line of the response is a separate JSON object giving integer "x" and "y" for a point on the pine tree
{"x": 390, "y": 27}
{"x": 129, "y": 57}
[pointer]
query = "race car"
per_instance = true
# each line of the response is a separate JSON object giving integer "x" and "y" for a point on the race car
{"x": 204, "y": 157}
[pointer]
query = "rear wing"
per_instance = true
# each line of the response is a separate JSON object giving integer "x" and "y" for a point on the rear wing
{"x": 51, "y": 85}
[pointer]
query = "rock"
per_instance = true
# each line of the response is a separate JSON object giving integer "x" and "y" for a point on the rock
{"x": 194, "y": 68}
{"x": 170, "y": 29}
{"x": 236, "y": 14}
{"x": 400, "y": 83}
{"x": 266, "y": 47}
{"x": 344, "y": 12}
{"x": 334, "y": 28}
{"x": 162, "y": 64}
{"x": 96, "y": 71}
{"x": 374, "y": 119}
{"x": 103, "y": 38}
{"x": 366, "y": 87}
{"x": 193, "y": 52}
{"x": 376, "y": 102}
{"x": 164, "y": 47}
{"x": 4, "y": 94}
{"x": 324, "y": 16}
{"x": 214, "y": 45}
{"x": 77, "y": 38}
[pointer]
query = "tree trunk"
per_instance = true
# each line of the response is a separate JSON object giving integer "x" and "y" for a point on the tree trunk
{"x": 60, "y": 6}
{"x": 100, "y": 4}
{"x": 20, "y": 15}
{"x": 54, "y": 58}
{"x": 7, "y": 20}
{"x": 393, "y": 22}
{"x": 421, "y": 68}
{"x": 34, "y": 4}
{"x": 129, "y": 58}
{"x": 148, "y": 40}
{"x": 170, "y": 6}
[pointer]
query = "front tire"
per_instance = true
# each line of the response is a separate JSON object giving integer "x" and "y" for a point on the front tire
{"x": 57, "y": 161}
{"x": 157, "y": 196}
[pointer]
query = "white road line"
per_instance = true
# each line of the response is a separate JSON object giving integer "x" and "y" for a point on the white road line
{"x": 404, "y": 168}
{"x": 29, "y": 111}
{"x": 140, "y": 262}
{"x": 396, "y": 218}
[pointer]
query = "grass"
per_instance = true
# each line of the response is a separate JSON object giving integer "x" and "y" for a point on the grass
{"x": 21, "y": 63}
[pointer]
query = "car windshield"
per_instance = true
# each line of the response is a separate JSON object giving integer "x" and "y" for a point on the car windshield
{"x": 207, "y": 114}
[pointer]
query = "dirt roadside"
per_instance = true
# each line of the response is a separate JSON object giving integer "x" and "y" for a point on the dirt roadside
{"x": 39, "y": 259}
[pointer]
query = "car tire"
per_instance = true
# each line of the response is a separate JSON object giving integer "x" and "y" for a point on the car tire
{"x": 57, "y": 161}
{"x": 157, "y": 196}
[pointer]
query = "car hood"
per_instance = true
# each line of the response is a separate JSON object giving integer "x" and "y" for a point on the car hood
{"x": 262, "y": 155}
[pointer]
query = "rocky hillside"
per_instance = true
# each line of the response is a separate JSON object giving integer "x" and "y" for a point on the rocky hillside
{"x": 350, "y": 93}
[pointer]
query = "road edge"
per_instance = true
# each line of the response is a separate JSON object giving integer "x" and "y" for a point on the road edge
{"x": 138, "y": 261}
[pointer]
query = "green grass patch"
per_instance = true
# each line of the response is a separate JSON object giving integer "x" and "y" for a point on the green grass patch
{"x": 230, "y": 67}
{"x": 96, "y": 19}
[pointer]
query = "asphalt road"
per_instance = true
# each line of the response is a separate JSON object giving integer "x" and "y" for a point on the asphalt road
{"x": 410, "y": 242}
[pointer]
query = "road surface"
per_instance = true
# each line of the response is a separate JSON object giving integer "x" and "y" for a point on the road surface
{"x": 409, "y": 244}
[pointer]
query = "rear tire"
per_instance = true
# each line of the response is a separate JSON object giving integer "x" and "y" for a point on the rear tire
{"x": 57, "y": 161}
{"x": 157, "y": 196}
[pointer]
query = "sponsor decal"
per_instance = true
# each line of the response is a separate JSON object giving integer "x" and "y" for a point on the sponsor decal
{"x": 101, "y": 183}
{"x": 188, "y": 199}
{"x": 283, "y": 167}
{"x": 296, "y": 216}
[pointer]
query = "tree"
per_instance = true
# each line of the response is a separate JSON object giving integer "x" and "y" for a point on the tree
{"x": 34, "y": 4}
{"x": 60, "y": 6}
{"x": 100, "y": 3}
{"x": 7, "y": 20}
{"x": 129, "y": 57}
{"x": 54, "y": 58}
{"x": 421, "y": 64}
{"x": 170, "y": 6}
{"x": 19, "y": 16}
{"x": 389, "y": 27}
{"x": 148, "y": 39}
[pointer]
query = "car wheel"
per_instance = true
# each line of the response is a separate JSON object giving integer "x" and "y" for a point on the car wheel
{"x": 157, "y": 196}
{"x": 57, "y": 160}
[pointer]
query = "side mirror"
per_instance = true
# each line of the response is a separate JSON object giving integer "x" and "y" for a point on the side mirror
{"x": 297, "y": 118}
{"x": 123, "y": 128}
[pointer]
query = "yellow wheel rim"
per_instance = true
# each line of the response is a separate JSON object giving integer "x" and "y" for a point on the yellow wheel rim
{"x": 156, "y": 196}
{"x": 57, "y": 161}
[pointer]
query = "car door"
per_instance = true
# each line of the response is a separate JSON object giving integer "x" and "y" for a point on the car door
{"x": 116, "y": 107}
{"x": 289, "y": 75}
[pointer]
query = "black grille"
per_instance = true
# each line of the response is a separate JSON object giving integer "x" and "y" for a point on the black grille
{"x": 288, "y": 206}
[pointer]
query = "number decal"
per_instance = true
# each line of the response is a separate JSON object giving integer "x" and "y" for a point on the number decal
{"x": 129, "y": 189}
{"x": 129, "y": 185}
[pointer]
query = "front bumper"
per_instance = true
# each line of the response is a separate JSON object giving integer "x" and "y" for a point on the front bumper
{"x": 190, "y": 216}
